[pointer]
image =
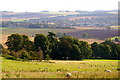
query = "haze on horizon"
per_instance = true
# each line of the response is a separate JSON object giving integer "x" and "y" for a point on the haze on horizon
{"x": 56, "y": 5}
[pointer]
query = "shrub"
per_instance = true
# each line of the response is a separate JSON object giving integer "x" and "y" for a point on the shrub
{"x": 10, "y": 57}
{"x": 47, "y": 57}
{"x": 5, "y": 51}
{"x": 23, "y": 54}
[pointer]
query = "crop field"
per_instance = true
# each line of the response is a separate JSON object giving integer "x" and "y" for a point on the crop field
{"x": 61, "y": 13}
{"x": 59, "y": 68}
{"x": 96, "y": 34}
{"x": 84, "y": 17}
{"x": 32, "y": 31}
{"x": 114, "y": 27}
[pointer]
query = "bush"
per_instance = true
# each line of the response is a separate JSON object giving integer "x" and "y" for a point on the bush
{"x": 23, "y": 54}
{"x": 10, "y": 57}
{"x": 5, "y": 51}
{"x": 47, "y": 57}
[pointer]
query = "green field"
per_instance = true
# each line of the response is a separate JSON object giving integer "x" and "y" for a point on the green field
{"x": 59, "y": 68}
{"x": 3, "y": 28}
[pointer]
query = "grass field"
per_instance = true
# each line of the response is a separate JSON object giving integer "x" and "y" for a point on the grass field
{"x": 59, "y": 68}
{"x": 3, "y": 28}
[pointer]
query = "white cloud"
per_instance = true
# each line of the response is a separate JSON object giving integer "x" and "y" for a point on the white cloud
{"x": 55, "y": 5}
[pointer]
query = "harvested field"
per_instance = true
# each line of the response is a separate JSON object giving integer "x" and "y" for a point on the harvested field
{"x": 96, "y": 34}
{"x": 84, "y": 17}
{"x": 90, "y": 41}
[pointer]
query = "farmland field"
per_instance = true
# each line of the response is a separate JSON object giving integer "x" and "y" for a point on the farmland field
{"x": 32, "y": 31}
{"x": 95, "y": 34}
{"x": 59, "y": 68}
{"x": 61, "y": 13}
{"x": 98, "y": 34}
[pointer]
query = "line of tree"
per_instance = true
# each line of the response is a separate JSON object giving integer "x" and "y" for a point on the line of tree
{"x": 57, "y": 48}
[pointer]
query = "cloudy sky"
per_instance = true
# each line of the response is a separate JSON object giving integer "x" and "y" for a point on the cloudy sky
{"x": 56, "y": 5}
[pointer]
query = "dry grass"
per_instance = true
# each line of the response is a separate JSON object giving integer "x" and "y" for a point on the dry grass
{"x": 90, "y": 41}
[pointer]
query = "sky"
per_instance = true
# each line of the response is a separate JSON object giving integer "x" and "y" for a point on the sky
{"x": 56, "y": 5}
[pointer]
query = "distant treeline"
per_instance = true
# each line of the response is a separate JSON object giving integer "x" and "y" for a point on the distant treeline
{"x": 57, "y": 48}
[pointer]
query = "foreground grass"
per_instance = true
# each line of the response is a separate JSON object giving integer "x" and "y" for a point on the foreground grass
{"x": 58, "y": 69}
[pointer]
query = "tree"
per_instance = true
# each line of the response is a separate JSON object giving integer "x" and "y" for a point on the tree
{"x": 33, "y": 55}
{"x": 23, "y": 54}
{"x": 42, "y": 41}
{"x": 40, "y": 55}
{"x": 1, "y": 47}
{"x": 116, "y": 40}
{"x": 14, "y": 42}
{"x": 95, "y": 49}
{"x": 108, "y": 27}
{"x": 84, "y": 35}
{"x": 47, "y": 57}
{"x": 75, "y": 53}
{"x": 114, "y": 53}
{"x": 86, "y": 51}
{"x": 26, "y": 43}
{"x": 105, "y": 51}
{"x": 65, "y": 49}
{"x": 118, "y": 51}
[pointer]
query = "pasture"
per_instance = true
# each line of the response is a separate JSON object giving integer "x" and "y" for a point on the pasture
{"x": 59, "y": 68}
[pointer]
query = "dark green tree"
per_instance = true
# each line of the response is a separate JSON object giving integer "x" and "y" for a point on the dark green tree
{"x": 1, "y": 47}
{"x": 105, "y": 51}
{"x": 26, "y": 43}
{"x": 42, "y": 41}
{"x": 40, "y": 55}
{"x": 85, "y": 35}
{"x": 47, "y": 57}
{"x": 95, "y": 49}
{"x": 118, "y": 51}
{"x": 114, "y": 53}
{"x": 75, "y": 53}
{"x": 23, "y": 54}
{"x": 86, "y": 51}
{"x": 14, "y": 42}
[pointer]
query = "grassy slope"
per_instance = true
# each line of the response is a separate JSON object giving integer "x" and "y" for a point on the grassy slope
{"x": 88, "y": 69}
